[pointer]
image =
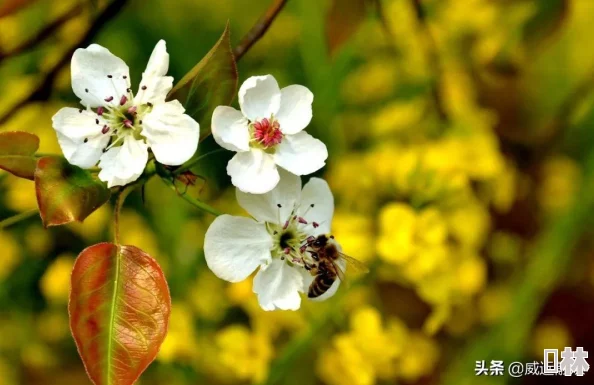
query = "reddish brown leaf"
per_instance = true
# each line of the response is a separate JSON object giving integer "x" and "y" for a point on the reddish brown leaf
{"x": 119, "y": 312}
{"x": 66, "y": 193}
{"x": 17, "y": 150}
{"x": 343, "y": 20}
{"x": 9, "y": 7}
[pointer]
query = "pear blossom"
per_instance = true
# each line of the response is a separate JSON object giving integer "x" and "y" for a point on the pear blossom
{"x": 268, "y": 133}
{"x": 274, "y": 240}
{"x": 116, "y": 128}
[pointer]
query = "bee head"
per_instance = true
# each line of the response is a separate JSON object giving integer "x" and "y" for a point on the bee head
{"x": 321, "y": 240}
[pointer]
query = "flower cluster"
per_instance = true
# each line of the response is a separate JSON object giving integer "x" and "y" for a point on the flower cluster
{"x": 116, "y": 129}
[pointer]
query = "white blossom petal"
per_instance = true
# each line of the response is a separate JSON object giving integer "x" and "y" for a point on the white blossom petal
{"x": 171, "y": 134}
{"x": 81, "y": 154}
{"x": 155, "y": 86}
{"x": 253, "y": 171}
{"x": 234, "y": 247}
{"x": 259, "y": 97}
{"x": 295, "y": 111}
{"x": 278, "y": 285}
{"x": 90, "y": 71}
{"x": 158, "y": 63}
{"x": 316, "y": 192}
{"x": 124, "y": 164}
{"x": 153, "y": 89}
{"x": 79, "y": 135}
{"x": 230, "y": 129}
{"x": 265, "y": 207}
{"x": 301, "y": 153}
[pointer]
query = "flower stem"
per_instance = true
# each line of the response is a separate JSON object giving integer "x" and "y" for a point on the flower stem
{"x": 194, "y": 162}
{"x": 194, "y": 202}
{"x": 118, "y": 208}
{"x": 17, "y": 218}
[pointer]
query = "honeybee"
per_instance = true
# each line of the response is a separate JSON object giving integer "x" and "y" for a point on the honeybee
{"x": 326, "y": 268}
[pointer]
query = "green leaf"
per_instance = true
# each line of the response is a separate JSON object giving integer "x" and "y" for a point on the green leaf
{"x": 343, "y": 20}
{"x": 211, "y": 83}
{"x": 66, "y": 193}
{"x": 17, "y": 150}
{"x": 119, "y": 312}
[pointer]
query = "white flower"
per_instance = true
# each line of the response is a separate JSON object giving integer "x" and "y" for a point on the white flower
{"x": 266, "y": 133}
{"x": 284, "y": 219}
{"x": 122, "y": 127}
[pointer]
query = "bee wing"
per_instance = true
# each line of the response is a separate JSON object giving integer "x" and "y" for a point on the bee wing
{"x": 354, "y": 264}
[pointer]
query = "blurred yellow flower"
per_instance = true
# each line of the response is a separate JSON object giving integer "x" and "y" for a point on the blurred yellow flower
{"x": 398, "y": 116}
{"x": 397, "y": 230}
{"x": 245, "y": 354}
{"x": 560, "y": 180}
{"x": 55, "y": 283}
{"x": 20, "y": 194}
{"x": 207, "y": 296}
{"x": 494, "y": 303}
{"x": 11, "y": 254}
{"x": 372, "y": 82}
{"x": 550, "y": 334}
{"x": 94, "y": 225}
{"x": 366, "y": 353}
{"x": 39, "y": 240}
{"x": 355, "y": 234}
{"x": 420, "y": 359}
{"x": 52, "y": 325}
{"x": 180, "y": 343}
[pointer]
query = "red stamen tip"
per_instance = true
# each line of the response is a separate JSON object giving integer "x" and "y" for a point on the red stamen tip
{"x": 286, "y": 225}
{"x": 268, "y": 133}
{"x": 287, "y": 250}
{"x": 123, "y": 100}
{"x": 315, "y": 225}
{"x": 302, "y": 220}
{"x": 109, "y": 99}
{"x": 104, "y": 129}
{"x": 100, "y": 110}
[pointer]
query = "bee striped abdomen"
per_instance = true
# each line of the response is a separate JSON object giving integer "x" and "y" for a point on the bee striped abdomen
{"x": 320, "y": 285}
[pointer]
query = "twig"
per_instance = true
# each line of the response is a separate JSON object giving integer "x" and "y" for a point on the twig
{"x": 124, "y": 192}
{"x": 44, "y": 33}
{"x": 195, "y": 161}
{"x": 433, "y": 59}
{"x": 194, "y": 202}
{"x": 17, "y": 218}
{"x": 43, "y": 90}
{"x": 259, "y": 28}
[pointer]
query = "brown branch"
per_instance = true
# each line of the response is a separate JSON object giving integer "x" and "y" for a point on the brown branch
{"x": 434, "y": 60}
{"x": 44, "y": 88}
{"x": 43, "y": 34}
{"x": 259, "y": 29}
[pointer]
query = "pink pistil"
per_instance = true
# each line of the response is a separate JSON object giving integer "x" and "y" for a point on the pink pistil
{"x": 128, "y": 123}
{"x": 132, "y": 110}
{"x": 268, "y": 132}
